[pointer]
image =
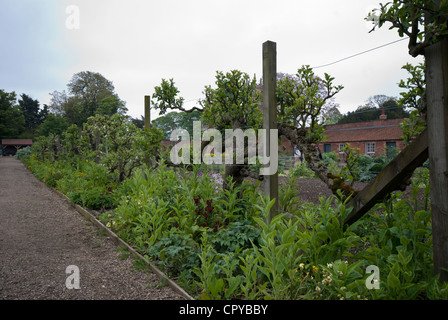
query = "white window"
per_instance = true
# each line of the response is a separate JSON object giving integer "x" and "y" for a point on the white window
{"x": 370, "y": 147}
{"x": 341, "y": 147}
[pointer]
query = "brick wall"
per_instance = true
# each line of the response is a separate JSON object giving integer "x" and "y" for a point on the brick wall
{"x": 380, "y": 147}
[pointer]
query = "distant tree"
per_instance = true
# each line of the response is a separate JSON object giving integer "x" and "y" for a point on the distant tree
{"x": 111, "y": 105}
{"x": 69, "y": 107}
{"x": 372, "y": 110}
{"x": 379, "y": 101}
{"x": 44, "y": 113}
{"x": 54, "y": 124}
{"x": 331, "y": 115}
{"x": 176, "y": 120}
{"x": 90, "y": 88}
{"x": 12, "y": 120}
{"x": 89, "y": 93}
{"x": 362, "y": 113}
{"x": 185, "y": 120}
{"x": 167, "y": 123}
{"x": 139, "y": 123}
{"x": 34, "y": 116}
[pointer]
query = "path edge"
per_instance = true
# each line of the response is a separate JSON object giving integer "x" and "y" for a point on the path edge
{"x": 120, "y": 241}
{"x": 98, "y": 224}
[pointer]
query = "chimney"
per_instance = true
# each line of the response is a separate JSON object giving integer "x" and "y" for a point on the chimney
{"x": 383, "y": 115}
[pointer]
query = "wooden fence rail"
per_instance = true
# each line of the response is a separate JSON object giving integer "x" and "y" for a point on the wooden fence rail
{"x": 391, "y": 178}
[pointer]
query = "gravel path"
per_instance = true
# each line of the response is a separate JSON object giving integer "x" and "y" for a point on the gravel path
{"x": 41, "y": 235}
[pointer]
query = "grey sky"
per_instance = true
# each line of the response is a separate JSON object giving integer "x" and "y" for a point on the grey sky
{"x": 136, "y": 43}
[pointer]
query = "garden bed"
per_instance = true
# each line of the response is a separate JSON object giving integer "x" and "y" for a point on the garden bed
{"x": 217, "y": 244}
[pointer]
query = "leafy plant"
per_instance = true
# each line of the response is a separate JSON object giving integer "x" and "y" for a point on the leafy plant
{"x": 23, "y": 153}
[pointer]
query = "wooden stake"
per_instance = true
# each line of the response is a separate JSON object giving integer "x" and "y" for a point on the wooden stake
{"x": 147, "y": 112}
{"x": 436, "y": 57}
{"x": 147, "y": 126}
{"x": 270, "y": 116}
{"x": 390, "y": 178}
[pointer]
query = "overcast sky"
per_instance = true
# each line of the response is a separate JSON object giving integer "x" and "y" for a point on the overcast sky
{"x": 136, "y": 43}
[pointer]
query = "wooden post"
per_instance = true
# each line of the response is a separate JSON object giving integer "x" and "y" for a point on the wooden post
{"x": 147, "y": 127}
{"x": 270, "y": 116}
{"x": 390, "y": 178}
{"x": 436, "y": 57}
{"x": 147, "y": 112}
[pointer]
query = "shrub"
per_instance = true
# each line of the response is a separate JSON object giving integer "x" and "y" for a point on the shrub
{"x": 23, "y": 153}
{"x": 301, "y": 170}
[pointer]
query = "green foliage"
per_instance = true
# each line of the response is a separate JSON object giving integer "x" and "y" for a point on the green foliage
{"x": 23, "y": 153}
{"x": 415, "y": 86}
{"x": 288, "y": 195}
{"x": 223, "y": 246}
{"x": 422, "y": 21}
{"x": 413, "y": 98}
{"x": 302, "y": 98}
{"x": 53, "y": 124}
{"x": 402, "y": 249}
{"x": 89, "y": 94}
{"x": 87, "y": 183}
{"x": 370, "y": 113}
{"x": 111, "y": 105}
{"x": 166, "y": 97}
{"x": 221, "y": 241}
{"x": 177, "y": 252}
{"x": 176, "y": 120}
{"x": 331, "y": 161}
{"x": 12, "y": 120}
{"x": 301, "y": 170}
{"x": 30, "y": 108}
{"x": 233, "y": 103}
{"x": 361, "y": 167}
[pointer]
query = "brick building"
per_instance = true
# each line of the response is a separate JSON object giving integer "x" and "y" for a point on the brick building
{"x": 374, "y": 138}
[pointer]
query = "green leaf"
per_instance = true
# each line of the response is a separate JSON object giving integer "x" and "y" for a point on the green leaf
{"x": 216, "y": 287}
{"x": 393, "y": 281}
{"x": 234, "y": 283}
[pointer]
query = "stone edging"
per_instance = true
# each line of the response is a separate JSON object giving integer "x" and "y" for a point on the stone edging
{"x": 118, "y": 240}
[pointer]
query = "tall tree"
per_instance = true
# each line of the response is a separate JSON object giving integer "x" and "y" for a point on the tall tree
{"x": 12, "y": 120}
{"x": 232, "y": 104}
{"x": 302, "y": 101}
{"x": 90, "y": 88}
{"x": 89, "y": 93}
{"x": 34, "y": 116}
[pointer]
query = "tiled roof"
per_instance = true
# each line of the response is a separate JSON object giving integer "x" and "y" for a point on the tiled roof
{"x": 17, "y": 142}
{"x": 364, "y": 132}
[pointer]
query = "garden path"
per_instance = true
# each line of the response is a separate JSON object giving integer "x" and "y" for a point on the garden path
{"x": 41, "y": 235}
